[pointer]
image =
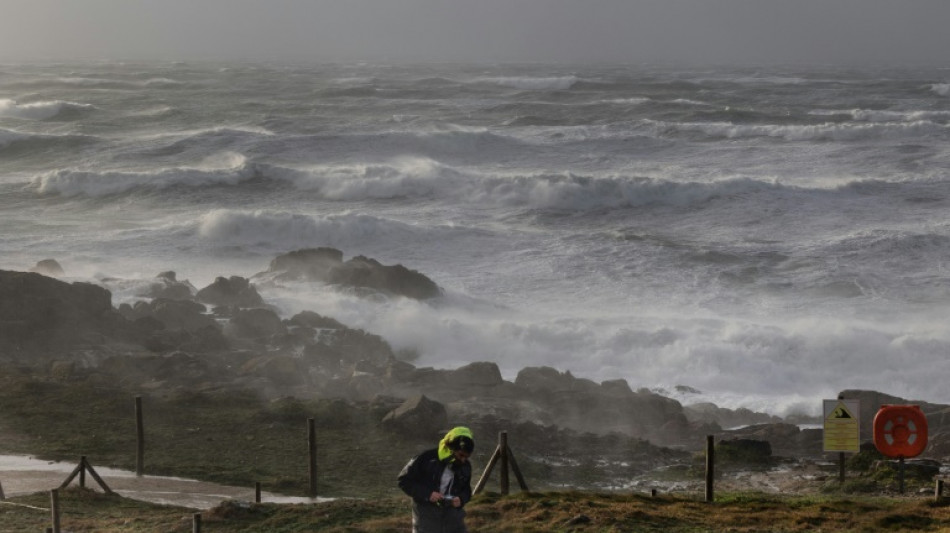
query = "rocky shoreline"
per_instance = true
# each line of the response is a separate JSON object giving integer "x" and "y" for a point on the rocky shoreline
{"x": 177, "y": 336}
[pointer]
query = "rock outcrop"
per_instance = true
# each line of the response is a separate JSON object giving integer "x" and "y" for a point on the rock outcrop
{"x": 327, "y": 265}
{"x": 234, "y": 291}
{"x": 67, "y": 329}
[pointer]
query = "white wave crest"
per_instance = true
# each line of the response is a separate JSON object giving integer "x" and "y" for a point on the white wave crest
{"x": 72, "y": 182}
{"x": 284, "y": 230}
{"x": 10, "y": 136}
{"x": 553, "y": 83}
{"x": 876, "y": 115}
{"x": 943, "y": 89}
{"x": 812, "y": 132}
{"x": 37, "y": 110}
{"x": 410, "y": 177}
{"x": 161, "y": 82}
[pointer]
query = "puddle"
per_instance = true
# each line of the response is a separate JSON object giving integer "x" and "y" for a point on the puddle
{"x": 20, "y": 474}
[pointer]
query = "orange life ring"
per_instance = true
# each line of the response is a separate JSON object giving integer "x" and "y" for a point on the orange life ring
{"x": 900, "y": 430}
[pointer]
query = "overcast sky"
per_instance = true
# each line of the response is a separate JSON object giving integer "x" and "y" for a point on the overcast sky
{"x": 627, "y": 31}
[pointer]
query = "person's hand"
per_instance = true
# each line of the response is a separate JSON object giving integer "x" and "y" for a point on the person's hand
{"x": 456, "y": 502}
{"x": 435, "y": 497}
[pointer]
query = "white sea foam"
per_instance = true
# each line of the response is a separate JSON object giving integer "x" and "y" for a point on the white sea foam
{"x": 876, "y": 115}
{"x": 528, "y": 83}
{"x": 38, "y": 110}
{"x": 818, "y": 132}
{"x": 943, "y": 89}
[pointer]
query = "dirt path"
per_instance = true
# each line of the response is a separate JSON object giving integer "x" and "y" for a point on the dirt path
{"x": 26, "y": 475}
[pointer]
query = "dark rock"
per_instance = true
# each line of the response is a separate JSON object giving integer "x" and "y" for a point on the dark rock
{"x": 546, "y": 380}
{"x": 728, "y": 418}
{"x": 44, "y": 313}
{"x": 48, "y": 267}
{"x": 234, "y": 291}
{"x": 417, "y": 416}
{"x": 787, "y": 440}
{"x": 168, "y": 287}
{"x": 314, "y": 320}
{"x": 327, "y": 265}
{"x": 311, "y": 264}
{"x": 478, "y": 374}
{"x": 255, "y": 324}
{"x": 365, "y": 272}
{"x": 744, "y": 452}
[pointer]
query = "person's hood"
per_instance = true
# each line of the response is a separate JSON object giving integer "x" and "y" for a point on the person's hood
{"x": 454, "y": 433}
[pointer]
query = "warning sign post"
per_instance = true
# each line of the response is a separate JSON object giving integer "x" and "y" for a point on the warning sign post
{"x": 842, "y": 427}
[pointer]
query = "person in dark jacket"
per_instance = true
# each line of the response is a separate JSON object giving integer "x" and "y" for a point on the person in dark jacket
{"x": 440, "y": 484}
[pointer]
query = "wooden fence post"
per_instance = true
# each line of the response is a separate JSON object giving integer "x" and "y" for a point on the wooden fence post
{"x": 2, "y": 497}
{"x": 196, "y": 523}
{"x": 503, "y": 454}
{"x": 503, "y": 446}
{"x": 938, "y": 490}
{"x": 139, "y": 438}
{"x": 54, "y": 509}
{"x": 710, "y": 467}
{"x": 82, "y": 471}
{"x": 312, "y": 465}
{"x": 257, "y": 492}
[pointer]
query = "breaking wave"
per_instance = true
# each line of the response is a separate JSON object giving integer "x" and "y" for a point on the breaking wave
{"x": 39, "y": 110}
{"x": 528, "y": 83}
{"x": 817, "y": 132}
{"x": 73, "y": 182}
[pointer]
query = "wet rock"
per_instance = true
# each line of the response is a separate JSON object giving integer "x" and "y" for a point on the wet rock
{"x": 744, "y": 452}
{"x": 257, "y": 324}
{"x": 727, "y": 418}
{"x": 478, "y": 374}
{"x": 45, "y": 313}
{"x": 233, "y": 291}
{"x": 168, "y": 287}
{"x": 327, "y": 265}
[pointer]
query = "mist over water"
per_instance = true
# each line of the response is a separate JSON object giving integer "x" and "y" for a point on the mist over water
{"x": 768, "y": 237}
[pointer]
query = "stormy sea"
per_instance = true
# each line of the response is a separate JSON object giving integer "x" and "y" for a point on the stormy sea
{"x": 755, "y": 237}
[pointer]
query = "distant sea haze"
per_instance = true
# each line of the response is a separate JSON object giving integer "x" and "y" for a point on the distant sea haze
{"x": 767, "y": 237}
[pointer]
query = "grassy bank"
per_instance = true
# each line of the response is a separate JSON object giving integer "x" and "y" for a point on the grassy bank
{"x": 84, "y": 510}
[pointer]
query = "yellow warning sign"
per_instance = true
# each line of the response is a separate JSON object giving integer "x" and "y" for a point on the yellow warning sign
{"x": 842, "y": 426}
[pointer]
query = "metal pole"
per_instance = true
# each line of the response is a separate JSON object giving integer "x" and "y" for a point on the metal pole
{"x": 257, "y": 492}
{"x": 901, "y": 475}
{"x": 841, "y": 467}
{"x": 82, "y": 471}
{"x": 710, "y": 468}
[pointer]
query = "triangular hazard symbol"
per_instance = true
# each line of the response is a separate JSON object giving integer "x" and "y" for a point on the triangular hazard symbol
{"x": 840, "y": 412}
